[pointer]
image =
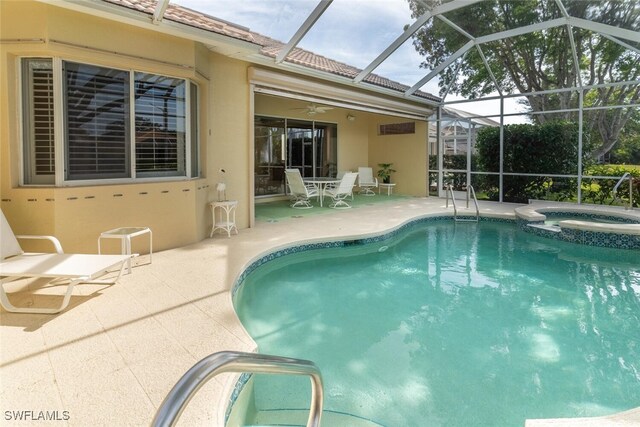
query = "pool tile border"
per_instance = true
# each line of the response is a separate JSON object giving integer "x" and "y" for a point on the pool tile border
{"x": 585, "y": 237}
{"x": 345, "y": 243}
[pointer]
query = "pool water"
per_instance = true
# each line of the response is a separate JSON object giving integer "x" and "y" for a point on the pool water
{"x": 452, "y": 325}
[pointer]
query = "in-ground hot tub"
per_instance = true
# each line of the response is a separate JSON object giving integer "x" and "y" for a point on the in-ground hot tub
{"x": 588, "y": 225}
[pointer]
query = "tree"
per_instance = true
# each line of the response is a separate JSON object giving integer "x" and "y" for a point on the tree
{"x": 627, "y": 150}
{"x": 540, "y": 60}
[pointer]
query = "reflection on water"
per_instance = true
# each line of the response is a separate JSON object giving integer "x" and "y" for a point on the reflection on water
{"x": 453, "y": 324}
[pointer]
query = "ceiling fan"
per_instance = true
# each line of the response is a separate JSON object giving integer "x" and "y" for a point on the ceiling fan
{"x": 313, "y": 109}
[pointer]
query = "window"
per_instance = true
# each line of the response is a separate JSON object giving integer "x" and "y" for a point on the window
{"x": 160, "y": 125}
{"x": 96, "y": 125}
{"x": 117, "y": 124}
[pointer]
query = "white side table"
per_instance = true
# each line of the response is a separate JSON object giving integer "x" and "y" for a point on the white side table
{"x": 388, "y": 187}
{"x": 225, "y": 220}
{"x": 125, "y": 234}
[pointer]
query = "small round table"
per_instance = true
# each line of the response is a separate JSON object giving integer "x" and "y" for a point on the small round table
{"x": 389, "y": 188}
{"x": 226, "y": 218}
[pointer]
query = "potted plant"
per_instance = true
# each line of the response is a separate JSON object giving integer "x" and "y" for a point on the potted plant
{"x": 385, "y": 172}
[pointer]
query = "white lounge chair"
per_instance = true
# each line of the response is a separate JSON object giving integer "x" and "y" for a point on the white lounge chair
{"x": 344, "y": 190}
{"x": 76, "y": 268}
{"x": 300, "y": 192}
{"x": 366, "y": 181}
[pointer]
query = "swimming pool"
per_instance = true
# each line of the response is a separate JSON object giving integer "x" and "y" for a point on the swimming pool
{"x": 452, "y": 324}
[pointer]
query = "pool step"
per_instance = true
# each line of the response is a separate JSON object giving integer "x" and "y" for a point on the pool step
{"x": 298, "y": 418}
{"x": 551, "y": 228}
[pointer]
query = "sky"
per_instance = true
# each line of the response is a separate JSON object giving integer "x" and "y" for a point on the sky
{"x": 351, "y": 31}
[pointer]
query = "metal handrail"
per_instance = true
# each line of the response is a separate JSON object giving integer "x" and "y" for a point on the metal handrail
{"x": 233, "y": 361}
{"x": 471, "y": 191}
{"x": 620, "y": 181}
{"x": 453, "y": 201}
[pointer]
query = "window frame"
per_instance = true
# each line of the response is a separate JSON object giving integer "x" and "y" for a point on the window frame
{"x": 191, "y": 140}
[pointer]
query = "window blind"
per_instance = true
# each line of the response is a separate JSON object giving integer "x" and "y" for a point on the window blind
{"x": 160, "y": 114}
{"x": 97, "y": 135}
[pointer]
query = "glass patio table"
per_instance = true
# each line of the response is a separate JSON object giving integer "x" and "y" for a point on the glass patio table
{"x": 321, "y": 183}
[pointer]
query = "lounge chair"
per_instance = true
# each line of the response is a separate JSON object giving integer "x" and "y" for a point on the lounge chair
{"x": 300, "y": 192}
{"x": 76, "y": 268}
{"x": 344, "y": 190}
{"x": 366, "y": 181}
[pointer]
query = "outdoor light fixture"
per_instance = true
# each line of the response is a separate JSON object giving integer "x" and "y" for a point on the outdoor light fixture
{"x": 351, "y": 117}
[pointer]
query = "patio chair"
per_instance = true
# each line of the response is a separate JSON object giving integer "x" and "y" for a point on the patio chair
{"x": 366, "y": 181}
{"x": 74, "y": 268}
{"x": 300, "y": 192}
{"x": 339, "y": 176}
{"x": 344, "y": 190}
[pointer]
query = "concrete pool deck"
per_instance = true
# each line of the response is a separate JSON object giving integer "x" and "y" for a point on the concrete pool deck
{"x": 112, "y": 356}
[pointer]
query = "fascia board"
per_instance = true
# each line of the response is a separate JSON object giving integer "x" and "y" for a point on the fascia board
{"x": 218, "y": 42}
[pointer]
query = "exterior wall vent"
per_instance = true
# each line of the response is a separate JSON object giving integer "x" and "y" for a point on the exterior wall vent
{"x": 397, "y": 128}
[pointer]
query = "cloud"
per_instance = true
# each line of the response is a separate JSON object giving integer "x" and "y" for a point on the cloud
{"x": 351, "y": 31}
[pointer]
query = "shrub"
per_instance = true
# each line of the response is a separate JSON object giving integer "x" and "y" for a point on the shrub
{"x": 550, "y": 148}
{"x": 600, "y": 191}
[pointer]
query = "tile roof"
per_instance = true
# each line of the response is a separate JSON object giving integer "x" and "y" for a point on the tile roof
{"x": 269, "y": 47}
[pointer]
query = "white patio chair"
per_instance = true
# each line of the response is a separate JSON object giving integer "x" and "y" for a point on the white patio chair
{"x": 76, "y": 268}
{"x": 300, "y": 192}
{"x": 344, "y": 190}
{"x": 366, "y": 181}
{"x": 339, "y": 176}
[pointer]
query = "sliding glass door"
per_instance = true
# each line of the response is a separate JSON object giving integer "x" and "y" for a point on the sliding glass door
{"x": 308, "y": 146}
{"x": 300, "y": 139}
{"x": 270, "y": 143}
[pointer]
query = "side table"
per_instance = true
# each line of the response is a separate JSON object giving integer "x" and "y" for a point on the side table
{"x": 125, "y": 234}
{"x": 388, "y": 187}
{"x": 226, "y": 218}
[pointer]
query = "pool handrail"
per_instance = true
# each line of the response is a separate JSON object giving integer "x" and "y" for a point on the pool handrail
{"x": 470, "y": 192}
{"x": 453, "y": 200}
{"x": 234, "y": 361}
{"x": 620, "y": 181}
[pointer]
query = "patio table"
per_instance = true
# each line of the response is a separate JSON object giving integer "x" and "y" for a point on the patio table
{"x": 321, "y": 183}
